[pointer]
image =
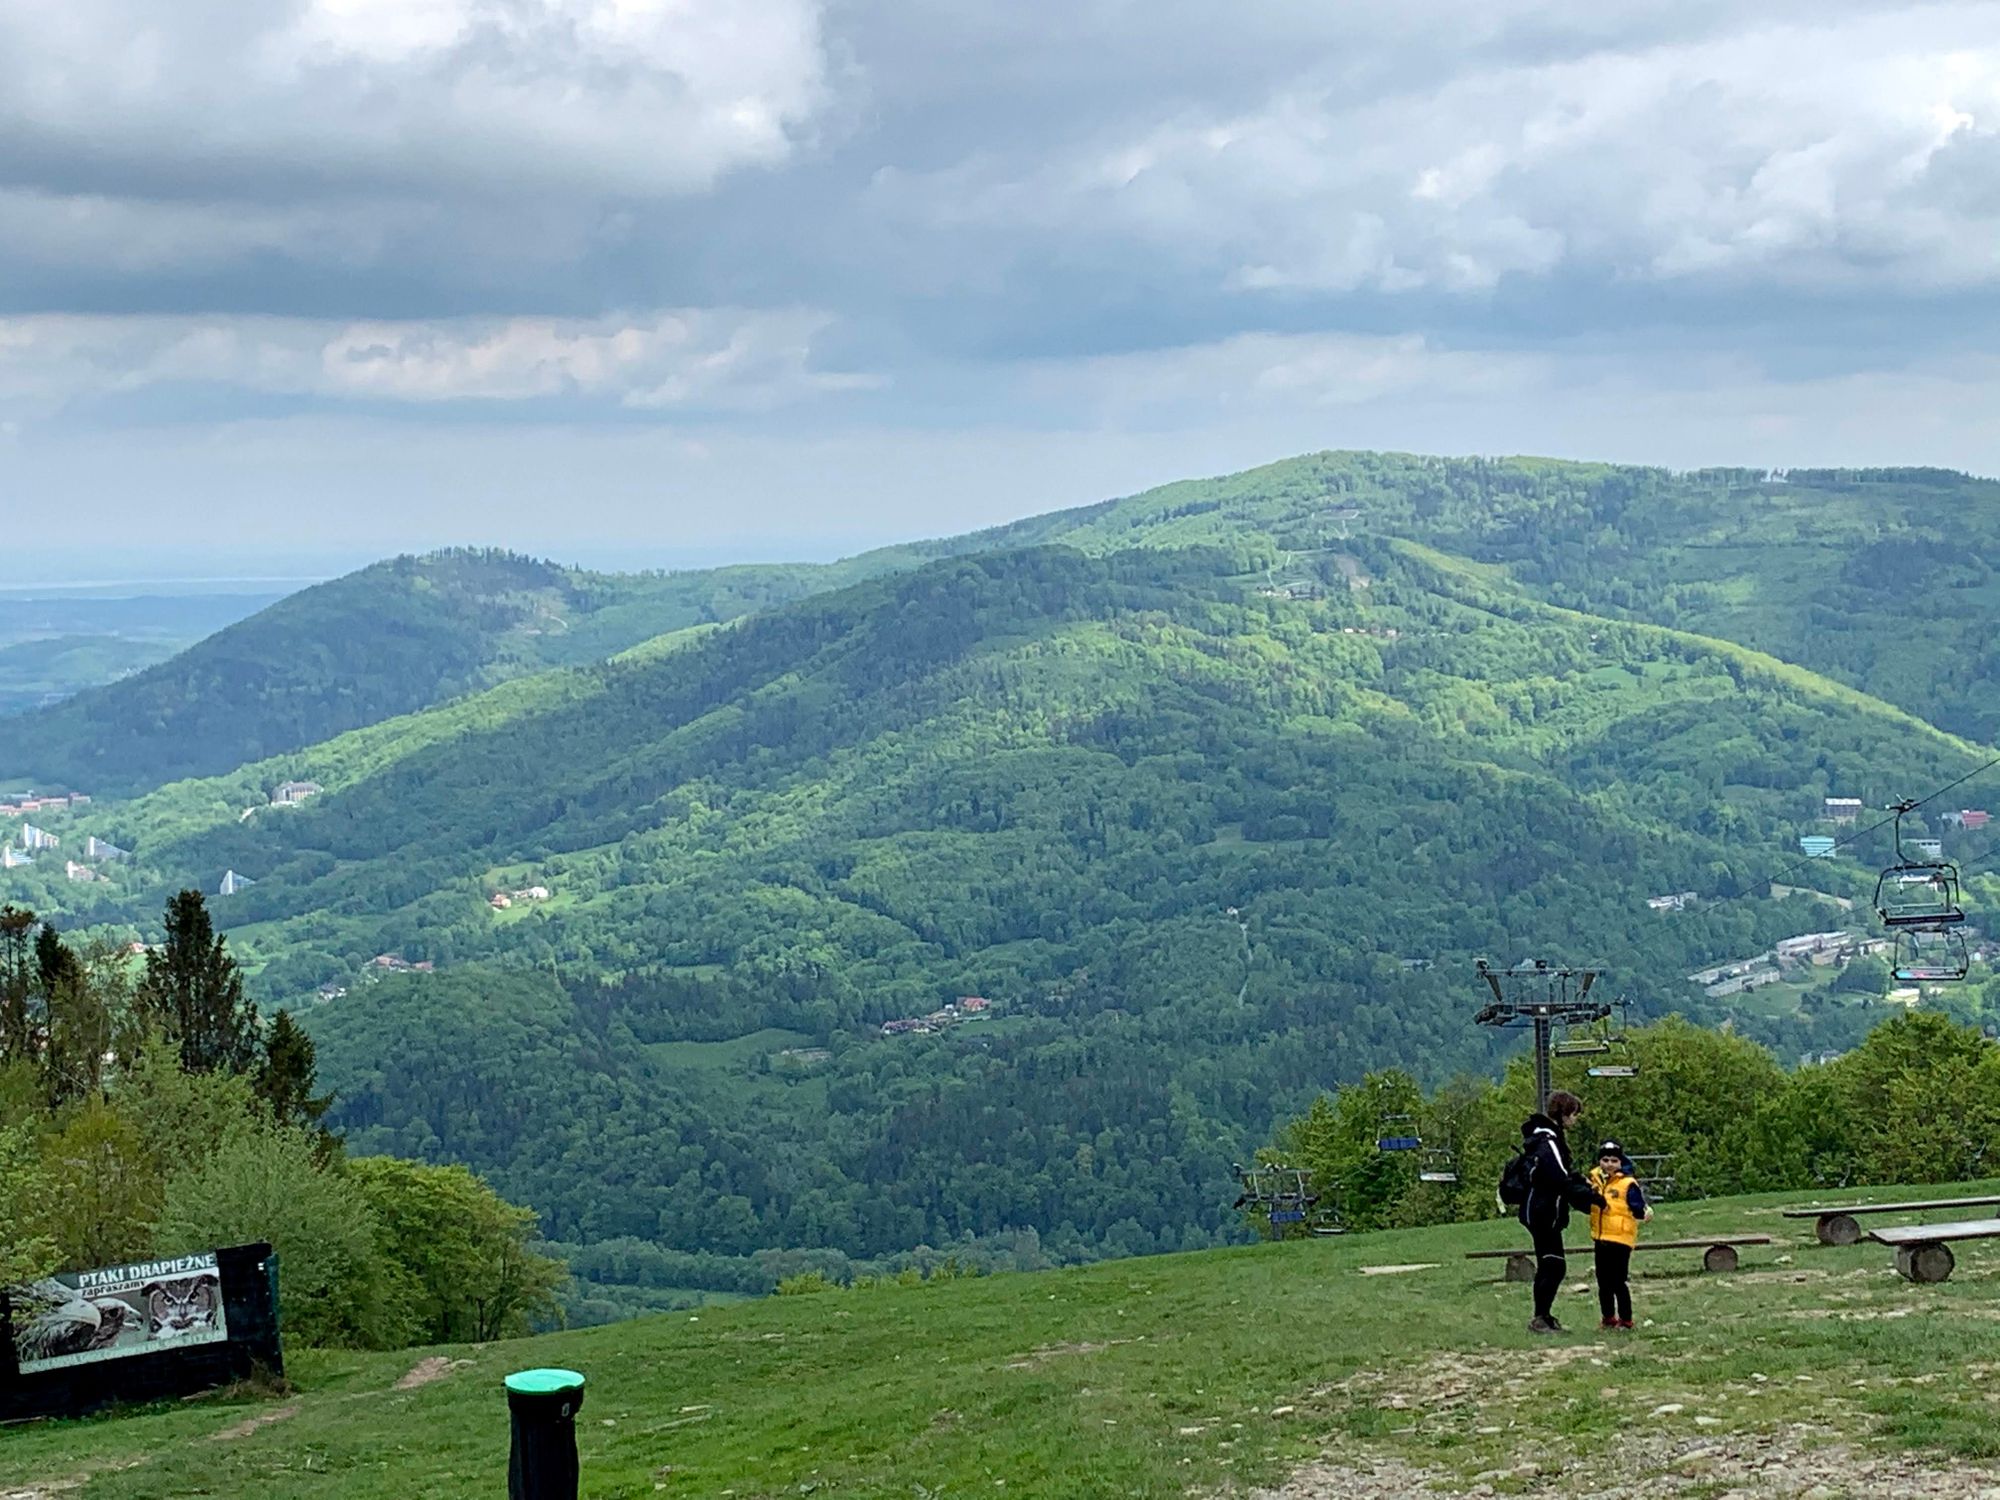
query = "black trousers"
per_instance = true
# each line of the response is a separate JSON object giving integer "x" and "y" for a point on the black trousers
{"x": 1614, "y": 1286}
{"x": 1550, "y": 1268}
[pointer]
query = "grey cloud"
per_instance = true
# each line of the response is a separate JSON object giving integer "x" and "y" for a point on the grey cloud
{"x": 1167, "y": 236}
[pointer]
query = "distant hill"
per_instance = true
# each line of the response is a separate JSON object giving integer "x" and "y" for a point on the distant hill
{"x": 391, "y": 638}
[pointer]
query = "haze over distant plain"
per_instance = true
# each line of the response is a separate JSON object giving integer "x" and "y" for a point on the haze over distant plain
{"x": 672, "y": 280}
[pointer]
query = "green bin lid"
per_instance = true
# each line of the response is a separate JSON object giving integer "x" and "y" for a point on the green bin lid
{"x": 544, "y": 1382}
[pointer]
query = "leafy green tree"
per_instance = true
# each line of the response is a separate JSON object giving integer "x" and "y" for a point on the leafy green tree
{"x": 105, "y": 1188}
{"x": 26, "y": 1248}
{"x": 1864, "y": 976}
{"x": 463, "y": 1250}
{"x": 193, "y": 992}
{"x": 1920, "y": 1099}
{"x": 185, "y": 1118}
{"x": 271, "y": 1185}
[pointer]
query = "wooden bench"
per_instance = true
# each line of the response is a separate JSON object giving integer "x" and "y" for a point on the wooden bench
{"x": 1837, "y": 1226}
{"x": 1718, "y": 1253}
{"x": 1921, "y": 1252}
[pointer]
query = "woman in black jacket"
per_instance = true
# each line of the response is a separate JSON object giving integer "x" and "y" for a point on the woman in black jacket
{"x": 1554, "y": 1187}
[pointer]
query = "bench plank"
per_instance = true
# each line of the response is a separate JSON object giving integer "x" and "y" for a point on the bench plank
{"x": 1930, "y": 1234}
{"x": 1887, "y": 1208}
{"x": 1697, "y": 1244}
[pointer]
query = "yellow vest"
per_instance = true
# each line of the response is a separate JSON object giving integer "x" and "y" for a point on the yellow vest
{"x": 1615, "y": 1223}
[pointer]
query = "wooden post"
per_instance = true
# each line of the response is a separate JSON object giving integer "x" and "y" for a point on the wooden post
{"x": 1838, "y": 1229}
{"x": 1719, "y": 1258}
{"x": 1925, "y": 1263}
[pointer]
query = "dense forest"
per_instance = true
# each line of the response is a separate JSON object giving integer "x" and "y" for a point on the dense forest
{"x": 1212, "y": 795}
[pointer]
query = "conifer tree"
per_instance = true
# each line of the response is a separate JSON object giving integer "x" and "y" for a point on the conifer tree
{"x": 76, "y": 1018}
{"x": 17, "y": 980}
{"x": 285, "y": 1078}
{"x": 193, "y": 992}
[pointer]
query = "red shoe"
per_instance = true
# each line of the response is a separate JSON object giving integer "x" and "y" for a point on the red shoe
{"x": 1608, "y": 1323}
{"x": 1626, "y": 1324}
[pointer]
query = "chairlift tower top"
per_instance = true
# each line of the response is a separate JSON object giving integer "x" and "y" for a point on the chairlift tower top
{"x": 1541, "y": 996}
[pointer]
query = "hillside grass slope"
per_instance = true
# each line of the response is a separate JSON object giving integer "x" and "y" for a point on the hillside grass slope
{"x": 1205, "y": 1374}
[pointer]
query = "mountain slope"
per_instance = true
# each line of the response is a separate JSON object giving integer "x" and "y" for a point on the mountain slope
{"x": 1041, "y": 777}
{"x": 1192, "y": 793}
{"x": 1878, "y": 578}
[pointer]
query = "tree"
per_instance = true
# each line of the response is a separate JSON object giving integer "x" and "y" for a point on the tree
{"x": 270, "y": 1184}
{"x": 81, "y": 994}
{"x": 463, "y": 1250}
{"x": 17, "y": 1029}
{"x": 104, "y": 1189}
{"x": 286, "y": 1076}
{"x": 193, "y": 991}
{"x": 26, "y": 1251}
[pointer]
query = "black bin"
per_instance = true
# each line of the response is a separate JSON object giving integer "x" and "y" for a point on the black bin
{"x": 542, "y": 1405}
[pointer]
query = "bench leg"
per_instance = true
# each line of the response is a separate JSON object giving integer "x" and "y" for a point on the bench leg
{"x": 1838, "y": 1229}
{"x": 1926, "y": 1263}
{"x": 1520, "y": 1267}
{"x": 1719, "y": 1258}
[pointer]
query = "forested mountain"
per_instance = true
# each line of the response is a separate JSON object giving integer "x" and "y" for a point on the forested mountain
{"x": 1213, "y": 793}
{"x": 397, "y": 636}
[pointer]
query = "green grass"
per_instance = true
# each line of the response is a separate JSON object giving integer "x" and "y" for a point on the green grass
{"x": 730, "y": 1056}
{"x": 1143, "y": 1378}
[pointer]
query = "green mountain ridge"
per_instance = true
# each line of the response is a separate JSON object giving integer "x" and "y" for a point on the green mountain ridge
{"x": 1187, "y": 784}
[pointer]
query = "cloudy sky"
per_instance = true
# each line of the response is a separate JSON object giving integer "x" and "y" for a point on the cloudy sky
{"x": 694, "y": 278}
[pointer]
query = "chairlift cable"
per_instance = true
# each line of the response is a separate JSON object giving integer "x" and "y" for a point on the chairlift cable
{"x": 1859, "y": 833}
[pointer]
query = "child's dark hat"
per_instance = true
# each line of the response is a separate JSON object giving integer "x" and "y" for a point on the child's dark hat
{"x": 1611, "y": 1148}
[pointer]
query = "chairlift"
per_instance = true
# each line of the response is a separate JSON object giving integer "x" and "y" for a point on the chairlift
{"x": 1613, "y": 1070}
{"x": 1282, "y": 1194}
{"x": 1931, "y": 955}
{"x": 1407, "y": 1140}
{"x": 1437, "y": 1166}
{"x": 1920, "y": 893}
{"x": 1650, "y": 1170}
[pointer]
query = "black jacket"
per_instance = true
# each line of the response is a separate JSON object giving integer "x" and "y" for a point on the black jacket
{"x": 1554, "y": 1186}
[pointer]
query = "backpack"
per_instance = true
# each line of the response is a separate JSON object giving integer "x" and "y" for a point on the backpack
{"x": 1514, "y": 1179}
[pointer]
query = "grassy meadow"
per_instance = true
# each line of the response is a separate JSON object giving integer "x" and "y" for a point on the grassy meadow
{"x": 1213, "y": 1373}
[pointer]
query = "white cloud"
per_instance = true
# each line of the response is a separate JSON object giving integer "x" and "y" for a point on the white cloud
{"x": 1219, "y": 381}
{"x": 700, "y": 359}
{"x": 221, "y": 99}
{"x": 1861, "y": 151}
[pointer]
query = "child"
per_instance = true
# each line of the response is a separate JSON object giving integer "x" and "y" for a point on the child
{"x": 1614, "y": 1231}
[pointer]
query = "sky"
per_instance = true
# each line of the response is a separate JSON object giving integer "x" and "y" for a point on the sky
{"x": 283, "y": 281}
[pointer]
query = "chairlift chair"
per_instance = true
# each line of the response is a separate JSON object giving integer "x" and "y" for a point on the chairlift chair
{"x": 1393, "y": 1140}
{"x": 1931, "y": 955}
{"x": 1613, "y": 1070}
{"x": 1918, "y": 892}
{"x": 1437, "y": 1166}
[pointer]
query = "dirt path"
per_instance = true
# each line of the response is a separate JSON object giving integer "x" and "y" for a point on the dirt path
{"x": 1799, "y": 1462}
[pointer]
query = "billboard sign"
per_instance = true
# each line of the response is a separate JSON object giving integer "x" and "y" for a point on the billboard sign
{"x": 145, "y": 1307}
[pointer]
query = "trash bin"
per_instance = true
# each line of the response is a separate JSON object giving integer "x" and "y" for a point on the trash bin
{"x": 542, "y": 1405}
